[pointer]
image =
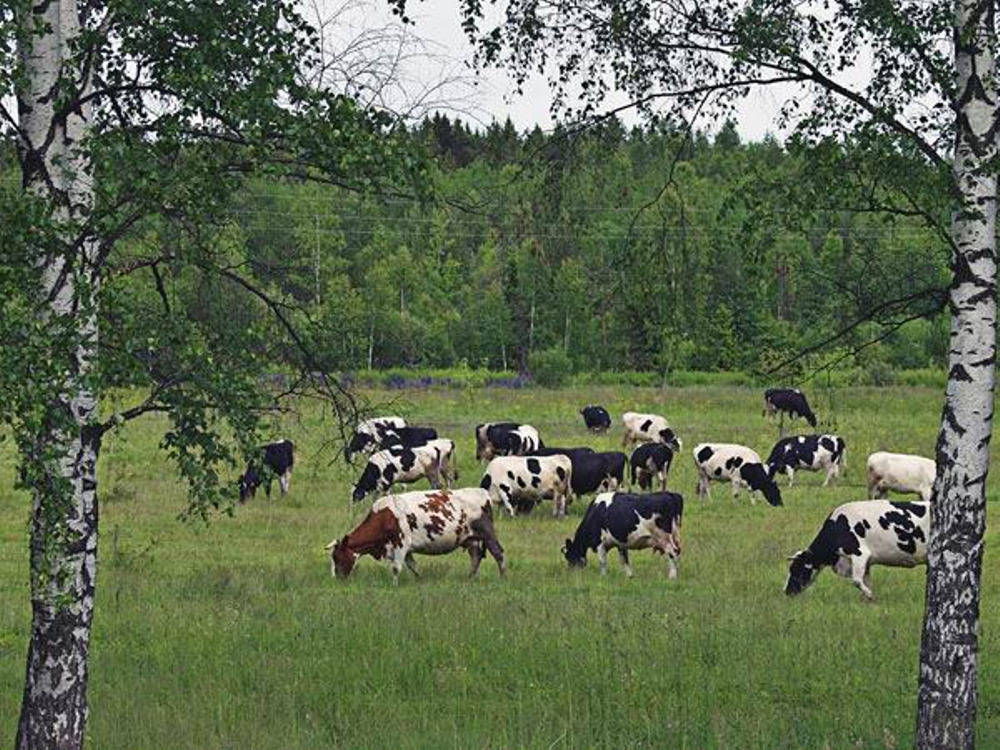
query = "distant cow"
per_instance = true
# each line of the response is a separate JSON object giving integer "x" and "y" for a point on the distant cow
{"x": 278, "y": 461}
{"x": 790, "y": 401}
{"x": 401, "y": 465}
{"x": 624, "y": 521}
{"x": 651, "y": 460}
{"x": 647, "y": 428}
{"x": 858, "y": 535}
{"x": 369, "y": 434}
{"x": 900, "y": 472}
{"x": 430, "y": 523}
{"x": 527, "y": 479}
{"x": 738, "y": 465}
{"x": 809, "y": 453}
{"x": 487, "y": 433}
{"x": 596, "y": 418}
{"x": 592, "y": 472}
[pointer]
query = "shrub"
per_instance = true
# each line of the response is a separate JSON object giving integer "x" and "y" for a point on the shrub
{"x": 550, "y": 368}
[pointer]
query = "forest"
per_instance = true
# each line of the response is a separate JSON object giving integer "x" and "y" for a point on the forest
{"x": 609, "y": 248}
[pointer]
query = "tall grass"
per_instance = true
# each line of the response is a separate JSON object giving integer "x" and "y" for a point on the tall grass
{"x": 234, "y": 634}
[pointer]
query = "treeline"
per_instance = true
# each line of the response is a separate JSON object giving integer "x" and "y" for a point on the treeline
{"x": 610, "y": 248}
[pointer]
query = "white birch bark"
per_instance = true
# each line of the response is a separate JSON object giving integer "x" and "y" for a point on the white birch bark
{"x": 64, "y": 510}
{"x": 949, "y": 650}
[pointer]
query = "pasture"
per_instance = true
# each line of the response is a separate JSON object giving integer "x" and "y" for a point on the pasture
{"x": 235, "y": 635}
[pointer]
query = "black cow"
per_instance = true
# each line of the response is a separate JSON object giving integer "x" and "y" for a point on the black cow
{"x": 649, "y": 460}
{"x": 279, "y": 458}
{"x": 408, "y": 437}
{"x": 596, "y": 418}
{"x": 790, "y": 401}
{"x": 627, "y": 521}
{"x": 592, "y": 472}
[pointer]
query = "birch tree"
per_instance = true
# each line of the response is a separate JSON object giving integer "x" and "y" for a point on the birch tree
{"x": 918, "y": 73}
{"x": 138, "y": 120}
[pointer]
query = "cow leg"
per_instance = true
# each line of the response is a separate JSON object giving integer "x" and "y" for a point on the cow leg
{"x": 623, "y": 553}
{"x": 663, "y": 481}
{"x": 475, "y": 556}
{"x": 397, "y": 560}
{"x": 703, "y": 490}
{"x": 831, "y": 472}
{"x": 859, "y": 574}
{"x": 505, "y": 497}
{"x": 673, "y": 556}
{"x": 483, "y": 526}
{"x": 602, "y": 558}
{"x": 284, "y": 481}
{"x": 411, "y": 564}
{"x": 791, "y": 476}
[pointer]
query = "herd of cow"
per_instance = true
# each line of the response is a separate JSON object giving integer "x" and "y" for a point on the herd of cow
{"x": 521, "y": 471}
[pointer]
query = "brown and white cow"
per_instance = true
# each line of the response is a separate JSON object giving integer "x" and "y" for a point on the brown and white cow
{"x": 431, "y": 523}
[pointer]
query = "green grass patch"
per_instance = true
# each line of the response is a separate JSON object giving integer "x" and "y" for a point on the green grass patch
{"x": 234, "y": 634}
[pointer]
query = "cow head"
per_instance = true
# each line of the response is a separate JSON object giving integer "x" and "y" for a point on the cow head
{"x": 342, "y": 558}
{"x": 801, "y": 573}
{"x": 576, "y": 555}
{"x": 366, "y": 483}
{"x": 669, "y": 438}
{"x": 249, "y": 482}
{"x": 760, "y": 480}
{"x": 360, "y": 442}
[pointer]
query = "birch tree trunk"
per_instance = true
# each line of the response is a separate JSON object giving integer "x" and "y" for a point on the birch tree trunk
{"x": 63, "y": 559}
{"x": 947, "y": 700}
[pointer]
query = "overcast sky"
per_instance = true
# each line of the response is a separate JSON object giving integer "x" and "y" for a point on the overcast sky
{"x": 438, "y": 21}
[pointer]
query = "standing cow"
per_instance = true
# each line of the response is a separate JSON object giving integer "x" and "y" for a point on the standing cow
{"x": 429, "y": 523}
{"x": 596, "y": 418}
{"x": 402, "y": 465}
{"x": 790, "y": 401}
{"x": 651, "y": 460}
{"x": 809, "y": 453}
{"x": 592, "y": 472}
{"x": 738, "y": 465}
{"x": 856, "y": 536}
{"x": 900, "y": 472}
{"x": 624, "y": 521}
{"x": 647, "y": 428}
{"x": 369, "y": 433}
{"x": 278, "y": 461}
{"x": 492, "y": 438}
{"x": 527, "y": 479}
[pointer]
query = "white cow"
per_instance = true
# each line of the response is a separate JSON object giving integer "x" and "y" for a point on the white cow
{"x": 901, "y": 472}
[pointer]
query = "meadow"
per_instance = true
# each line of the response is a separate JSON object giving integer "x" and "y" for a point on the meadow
{"x": 234, "y": 634}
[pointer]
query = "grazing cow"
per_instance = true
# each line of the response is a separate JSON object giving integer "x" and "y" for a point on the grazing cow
{"x": 403, "y": 465}
{"x": 651, "y": 460}
{"x": 647, "y": 428}
{"x": 790, "y": 401}
{"x": 279, "y": 458}
{"x": 407, "y": 437}
{"x": 527, "y": 479}
{"x": 485, "y": 447}
{"x": 596, "y": 418}
{"x": 592, "y": 472}
{"x": 739, "y": 465}
{"x": 369, "y": 434}
{"x": 901, "y": 472}
{"x": 858, "y": 535}
{"x": 447, "y": 460}
{"x": 626, "y": 521}
{"x": 809, "y": 453}
{"x": 429, "y": 523}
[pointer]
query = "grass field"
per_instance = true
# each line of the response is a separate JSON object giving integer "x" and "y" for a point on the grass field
{"x": 234, "y": 634}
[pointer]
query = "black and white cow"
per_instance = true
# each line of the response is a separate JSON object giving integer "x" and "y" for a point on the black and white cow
{"x": 492, "y": 438}
{"x": 596, "y": 418}
{"x": 407, "y": 437}
{"x": 524, "y": 480}
{"x": 790, "y": 401}
{"x": 369, "y": 433}
{"x": 625, "y": 521}
{"x": 592, "y": 472}
{"x": 809, "y": 453}
{"x": 278, "y": 461}
{"x": 520, "y": 442}
{"x": 647, "y": 428}
{"x": 901, "y": 472}
{"x": 856, "y": 536}
{"x": 736, "y": 464}
{"x": 651, "y": 460}
{"x": 404, "y": 466}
